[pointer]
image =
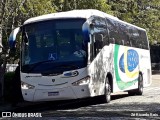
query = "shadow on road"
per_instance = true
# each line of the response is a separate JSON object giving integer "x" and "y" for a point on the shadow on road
{"x": 65, "y": 104}
{"x": 91, "y": 107}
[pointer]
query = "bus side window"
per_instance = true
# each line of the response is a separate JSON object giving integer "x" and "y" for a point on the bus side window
{"x": 105, "y": 37}
{"x": 98, "y": 45}
{"x": 128, "y": 43}
{"x": 99, "y": 36}
{"x": 92, "y": 49}
{"x": 112, "y": 40}
{"x": 134, "y": 38}
{"x": 143, "y": 39}
{"x": 121, "y": 34}
{"x": 111, "y": 30}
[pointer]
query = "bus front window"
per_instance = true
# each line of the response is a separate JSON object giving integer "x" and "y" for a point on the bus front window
{"x": 53, "y": 44}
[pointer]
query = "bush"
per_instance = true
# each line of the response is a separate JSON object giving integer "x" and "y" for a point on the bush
{"x": 8, "y": 86}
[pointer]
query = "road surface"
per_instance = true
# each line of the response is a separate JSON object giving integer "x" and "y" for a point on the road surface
{"x": 122, "y": 106}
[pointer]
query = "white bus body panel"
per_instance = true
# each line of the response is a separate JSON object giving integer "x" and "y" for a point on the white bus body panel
{"x": 128, "y": 63}
{"x": 97, "y": 71}
{"x": 61, "y": 88}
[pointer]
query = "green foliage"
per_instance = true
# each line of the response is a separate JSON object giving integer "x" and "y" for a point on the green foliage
{"x": 149, "y": 20}
{"x": 65, "y": 5}
{"x": 32, "y": 8}
{"x": 143, "y": 13}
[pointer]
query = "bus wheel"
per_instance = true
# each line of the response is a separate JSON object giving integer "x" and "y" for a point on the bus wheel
{"x": 107, "y": 96}
{"x": 139, "y": 91}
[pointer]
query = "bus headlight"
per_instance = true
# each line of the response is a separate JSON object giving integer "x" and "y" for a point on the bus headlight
{"x": 82, "y": 81}
{"x": 26, "y": 86}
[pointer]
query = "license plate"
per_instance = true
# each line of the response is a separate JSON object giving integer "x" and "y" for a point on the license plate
{"x": 53, "y": 93}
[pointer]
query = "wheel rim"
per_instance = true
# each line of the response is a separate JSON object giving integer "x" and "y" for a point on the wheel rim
{"x": 141, "y": 84}
{"x": 108, "y": 92}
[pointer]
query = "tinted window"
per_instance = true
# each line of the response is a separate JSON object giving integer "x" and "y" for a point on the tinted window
{"x": 143, "y": 39}
{"x": 123, "y": 34}
{"x": 99, "y": 36}
{"x": 100, "y": 29}
{"x": 55, "y": 40}
{"x": 118, "y": 32}
{"x": 134, "y": 37}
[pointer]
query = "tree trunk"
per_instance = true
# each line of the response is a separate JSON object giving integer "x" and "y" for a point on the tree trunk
{"x": 1, "y": 39}
{"x": 1, "y": 63}
{"x": 2, "y": 72}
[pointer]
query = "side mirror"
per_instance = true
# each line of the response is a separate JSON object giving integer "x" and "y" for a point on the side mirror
{"x": 12, "y": 38}
{"x": 85, "y": 30}
{"x": 25, "y": 37}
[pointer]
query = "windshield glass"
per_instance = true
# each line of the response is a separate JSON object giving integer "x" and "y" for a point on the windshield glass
{"x": 53, "y": 46}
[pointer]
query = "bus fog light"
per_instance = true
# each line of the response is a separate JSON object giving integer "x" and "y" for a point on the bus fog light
{"x": 26, "y": 86}
{"x": 82, "y": 81}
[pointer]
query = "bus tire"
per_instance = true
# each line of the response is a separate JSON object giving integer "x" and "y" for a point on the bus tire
{"x": 131, "y": 92}
{"x": 138, "y": 91}
{"x": 107, "y": 93}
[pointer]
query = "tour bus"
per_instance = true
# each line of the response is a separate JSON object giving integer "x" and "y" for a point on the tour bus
{"x": 81, "y": 53}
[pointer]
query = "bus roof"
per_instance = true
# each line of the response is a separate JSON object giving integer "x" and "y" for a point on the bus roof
{"x": 84, "y": 13}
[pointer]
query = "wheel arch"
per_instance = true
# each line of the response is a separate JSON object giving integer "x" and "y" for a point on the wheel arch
{"x": 110, "y": 79}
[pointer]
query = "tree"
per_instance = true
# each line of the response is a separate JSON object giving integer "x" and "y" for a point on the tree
{"x": 13, "y": 14}
{"x": 65, "y": 5}
{"x": 143, "y": 13}
{"x": 148, "y": 17}
{"x": 8, "y": 13}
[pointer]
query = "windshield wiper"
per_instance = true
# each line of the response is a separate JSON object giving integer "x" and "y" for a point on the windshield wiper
{"x": 67, "y": 66}
{"x": 58, "y": 72}
{"x": 37, "y": 64}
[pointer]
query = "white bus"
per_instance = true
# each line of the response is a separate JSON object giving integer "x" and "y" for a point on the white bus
{"x": 79, "y": 54}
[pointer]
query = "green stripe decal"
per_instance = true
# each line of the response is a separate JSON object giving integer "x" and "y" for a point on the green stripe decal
{"x": 121, "y": 84}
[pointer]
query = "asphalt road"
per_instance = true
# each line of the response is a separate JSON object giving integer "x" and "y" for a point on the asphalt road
{"x": 122, "y": 106}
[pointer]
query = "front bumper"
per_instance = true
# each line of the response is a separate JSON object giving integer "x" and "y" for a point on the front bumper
{"x": 66, "y": 93}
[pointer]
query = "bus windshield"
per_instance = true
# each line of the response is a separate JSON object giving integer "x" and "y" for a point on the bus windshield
{"x": 53, "y": 46}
